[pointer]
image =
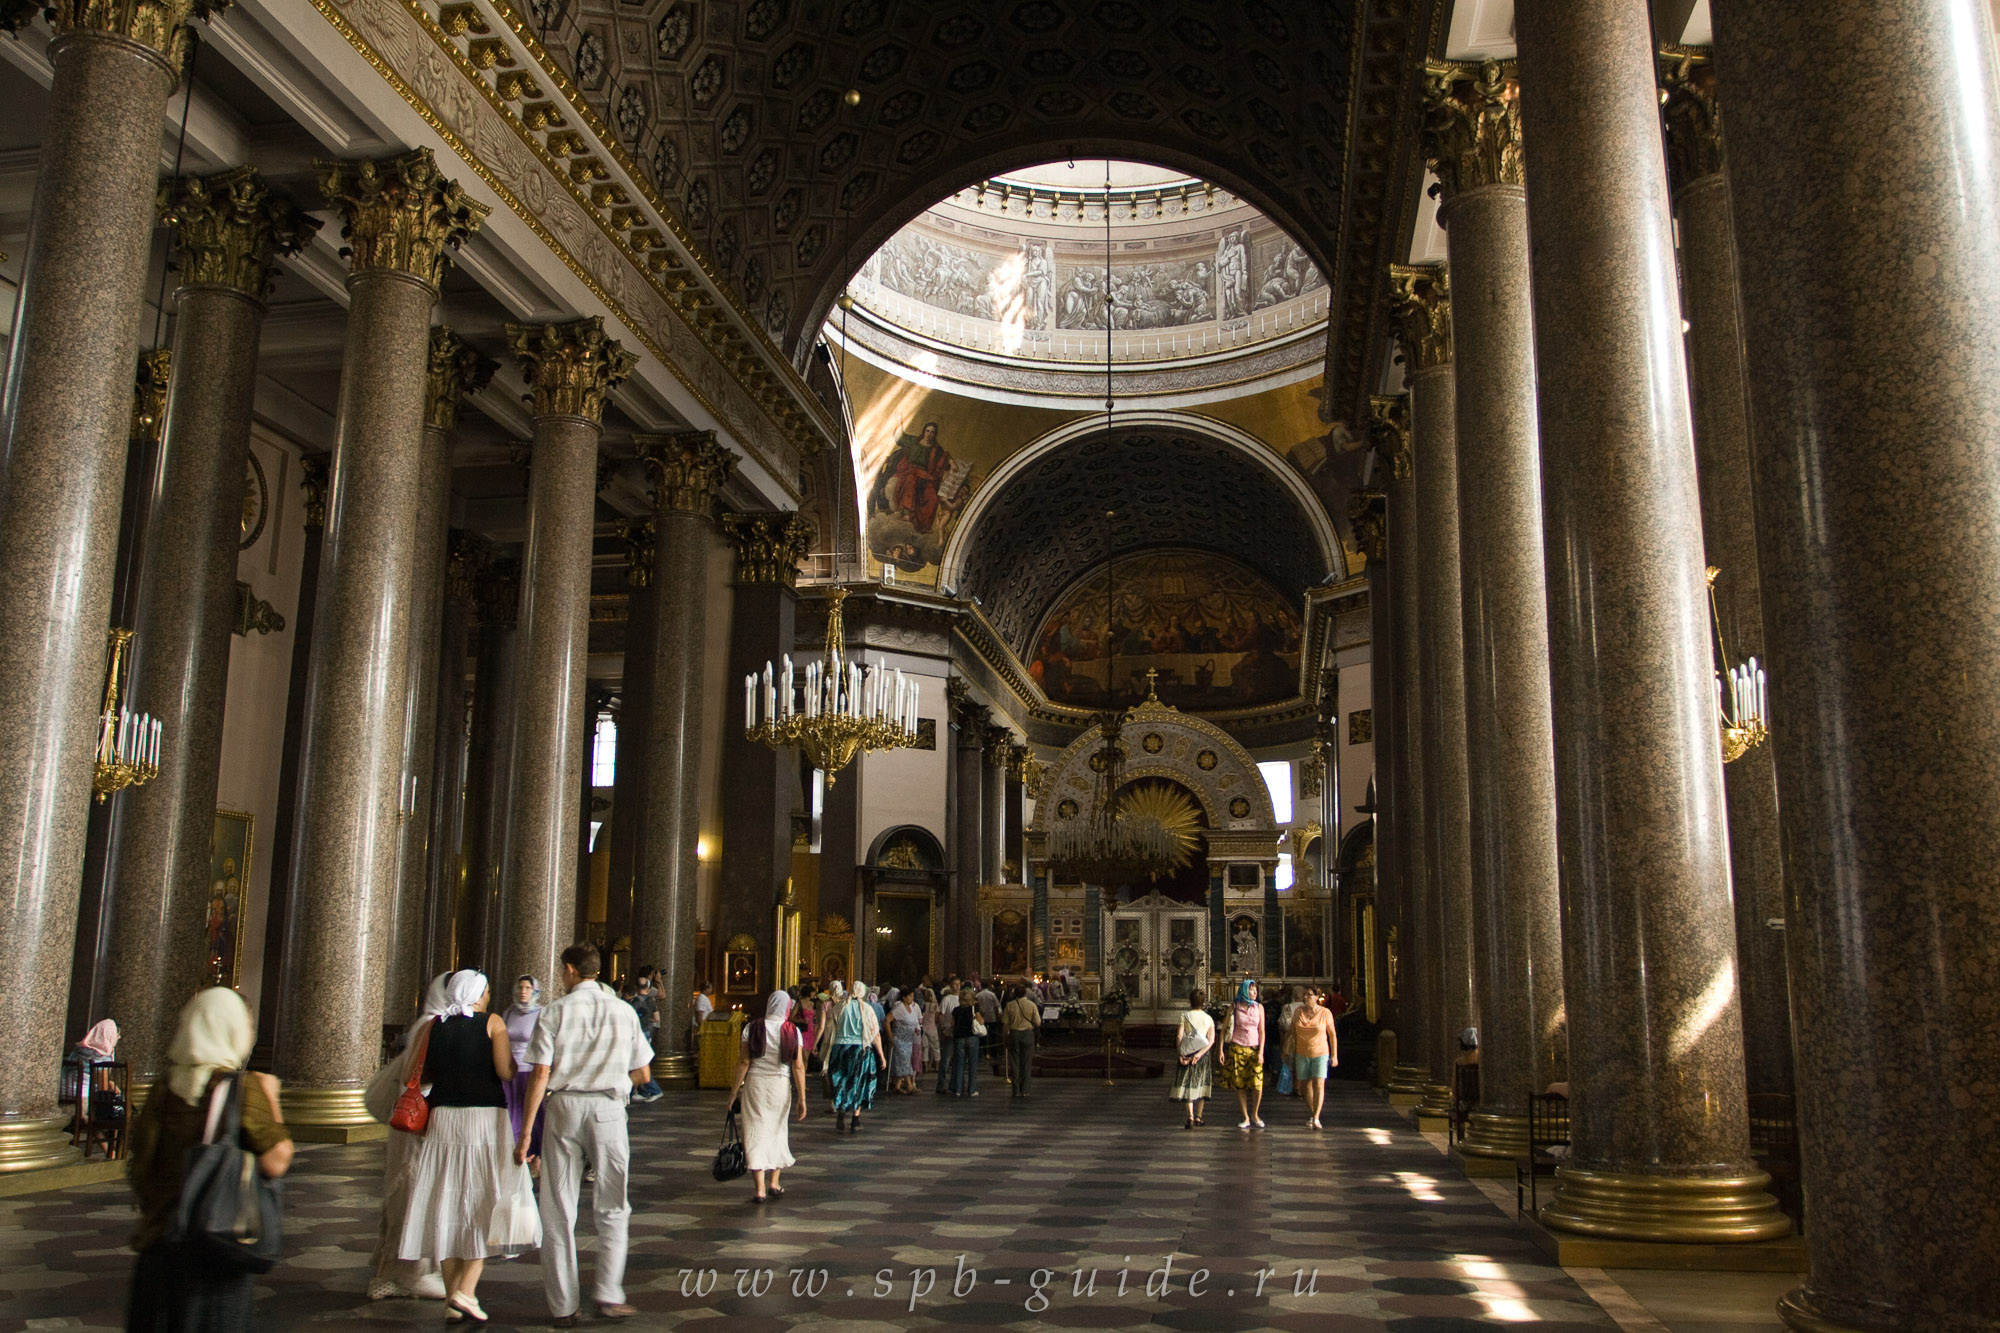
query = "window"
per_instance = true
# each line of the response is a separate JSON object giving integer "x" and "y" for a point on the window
{"x": 604, "y": 752}
{"x": 595, "y": 825}
{"x": 1284, "y": 878}
{"x": 1278, "y": 777}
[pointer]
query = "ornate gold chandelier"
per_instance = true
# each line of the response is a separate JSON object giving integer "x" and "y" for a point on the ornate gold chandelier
{"x": 128, "y": 743}
{"x": 839, "y": 709}
{"x": 1739, "y": 692}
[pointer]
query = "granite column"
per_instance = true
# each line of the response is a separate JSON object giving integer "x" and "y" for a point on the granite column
{"x": 1422, "y": 300}
{"x": 229, "y": 232}
{"x": 571, "y": 367}
{"x": 450, "y": 750}
{"x": 629, "y": 804}
{"x": 401, "y": 216}
{"x": 688, "y": 471}
{"x": 489, "y": 763}
{"x": 1867, "y": 223}
{"x": 1366, "y": 516}
{"x": 760, "y": 785}
{"x": 1659, "y": 1120}
{"x": 455, "y": 371}
{"x": 968, "y": 856}
{"x": 993, "y": 806}
{"x": 1414, "y": 959}
{"x": 1729, "y": 537}
{"x": 64, "y": 418}
{"x": 1473, "y": 140}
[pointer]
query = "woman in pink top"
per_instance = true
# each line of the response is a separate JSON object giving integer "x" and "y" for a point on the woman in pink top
{"x": 1243, "y": 1054}
{"x": 1313, "y": 1051}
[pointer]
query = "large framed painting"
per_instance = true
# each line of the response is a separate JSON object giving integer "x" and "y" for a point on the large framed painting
{"x": 1218, "y": 635}
{"x": 229, "y": 849}
{"x": 914, "y": 500}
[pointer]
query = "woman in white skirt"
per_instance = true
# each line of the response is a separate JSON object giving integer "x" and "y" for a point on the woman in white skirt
{"x": 770, "y": 1081}
{"x": 1193, "y": 1042}
{"x": 469, "y": 1200}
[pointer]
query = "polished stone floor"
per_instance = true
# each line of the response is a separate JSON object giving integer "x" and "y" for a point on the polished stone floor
{"x": 984, "y": 1213}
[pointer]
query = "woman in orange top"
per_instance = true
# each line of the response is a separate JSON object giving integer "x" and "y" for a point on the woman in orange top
{"x": 1314, "y": 1051}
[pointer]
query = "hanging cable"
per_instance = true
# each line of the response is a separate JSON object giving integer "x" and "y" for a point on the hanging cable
{"x": 180, "y": 153}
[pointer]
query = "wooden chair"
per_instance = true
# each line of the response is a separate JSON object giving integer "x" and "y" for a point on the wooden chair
{"x": 101, "y": 1113}
{"x": 1774, "y": 1142}
{"x": 1548, "y": 1128}
{"x": 1464, "y": 1101}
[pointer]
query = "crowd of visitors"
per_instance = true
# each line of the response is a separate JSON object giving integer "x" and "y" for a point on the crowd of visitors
{"x": 539, "y": 1092}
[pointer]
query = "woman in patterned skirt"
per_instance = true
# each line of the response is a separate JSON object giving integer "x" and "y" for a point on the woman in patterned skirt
{"x": 1194, "y": 1042}
{"x": 1243, "y": 1054}
{"x": 854, "y": 1058}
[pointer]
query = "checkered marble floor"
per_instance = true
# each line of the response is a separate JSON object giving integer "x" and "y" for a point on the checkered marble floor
{"x": 1056, "y": 1213}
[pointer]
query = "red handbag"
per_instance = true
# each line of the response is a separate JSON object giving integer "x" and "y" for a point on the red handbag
{"x": 412, "y": 1112}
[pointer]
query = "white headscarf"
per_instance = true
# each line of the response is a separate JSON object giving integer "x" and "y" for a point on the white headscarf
{"x": 215, "y": 1032}
{"x": 776, "y": 1009}
{"x": 463, "y": 992}
{"x": 838, "y": 992}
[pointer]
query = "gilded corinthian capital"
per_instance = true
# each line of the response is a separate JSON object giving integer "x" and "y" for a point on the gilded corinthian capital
{"x": 1471, "y": 130}
{"x": 457, "y": 370}
{"x": 687, "y": 467}
{"x": 1389, "y": 432}
{"x": 230, "y": 230}
{"x": 1420, "y": 300}
{"x": 1365, "y": 512}
{"x": 638, "y": 535}
{"x": 769, "y": 546}
{"x": 315, "y": 474}
{"x": 160, "y": 25}
{"x": 570, "y": 366}
{"x": 1693, "y": 120}
{"x": 149, "y": 394}
{"x": 399, "y": 214}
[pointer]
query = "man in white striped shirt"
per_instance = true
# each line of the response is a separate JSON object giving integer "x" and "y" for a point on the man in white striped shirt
{"x": 587, "y": 1054}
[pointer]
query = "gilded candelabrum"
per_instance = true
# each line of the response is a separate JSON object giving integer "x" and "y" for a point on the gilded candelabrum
{"x": 1739, "y": 693}
{"x": 839, "y": 709}
{"x": 128, "y": 744}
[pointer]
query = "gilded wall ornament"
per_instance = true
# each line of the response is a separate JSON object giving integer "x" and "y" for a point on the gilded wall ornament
{"x": 149, "y": 394}
{"x": 1365, "y": 513}
{"x": 230, "y": 231}
{"x": 399, "y": 213}
{"x": 1420, "y": 303}
{"x": 769, "y": 546}
{"x": 571, "y": 365}
{"x": 457, "y": 370}
{"x": 1471, "y": 133}
{"x": 1389, "y": 433}
{"x": 688, "y": 468}
{"x": 315, "y": 474}
{"x": 1693, "y": 119}
{"x": 638, "y": 538}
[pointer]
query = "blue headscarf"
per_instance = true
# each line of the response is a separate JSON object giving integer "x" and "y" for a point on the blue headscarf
{"x": 1243, "y": 991}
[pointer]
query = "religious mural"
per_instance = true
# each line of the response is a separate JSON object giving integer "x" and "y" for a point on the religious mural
{"x": 914, "y": 499}
{"x": 229, "y": 849}
{"x": 1218, "y": 635}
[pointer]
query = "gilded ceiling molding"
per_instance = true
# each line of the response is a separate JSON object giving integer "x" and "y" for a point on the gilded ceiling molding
{"x": 457, "y": 370}
{"x": 570, "y": 365}
{"x": 230, "y": 231}
{"x": 1389, "y": 432}
{"x": 1693, "y": 119}
{"x": 688, "y": 469}
{"x": 1420, "y": 299}
{"x": 399, "y": 214}
{"x": 557, "y": 166}
{"x": 1471, "y": 133}
{"x": 769, "y": 546}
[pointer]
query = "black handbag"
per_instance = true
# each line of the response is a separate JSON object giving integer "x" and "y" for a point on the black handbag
{"x": 731, "y": 1163}
{"x": 228, "y": 1210}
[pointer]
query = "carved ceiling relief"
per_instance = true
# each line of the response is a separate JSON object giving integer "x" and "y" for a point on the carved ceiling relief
{"x": 742, "y": 110}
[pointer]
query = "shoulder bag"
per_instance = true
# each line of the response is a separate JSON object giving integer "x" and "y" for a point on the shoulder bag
{"x": 731, "y": 1163}
{"x": 413, "y": 1113}
{"x": 228, "y": 1210}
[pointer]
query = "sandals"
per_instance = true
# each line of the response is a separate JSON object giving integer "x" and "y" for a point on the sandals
{"x": 759, "y": 1198}
{"x": 462, "y": 1307}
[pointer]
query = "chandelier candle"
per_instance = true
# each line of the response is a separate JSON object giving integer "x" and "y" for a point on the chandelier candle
{"x": 844, "y": 709}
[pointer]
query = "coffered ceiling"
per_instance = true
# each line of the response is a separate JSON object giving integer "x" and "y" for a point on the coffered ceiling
{"x": 742, "y": 113}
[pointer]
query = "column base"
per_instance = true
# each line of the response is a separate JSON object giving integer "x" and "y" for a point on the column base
{"x": 1569, "y": 1250}
{"x": 36, "y": 1143}
{"x": 1408, "y": 1079}
{"x": 675, "y": 1071}
{"x": 1796, "y": 1308}
{"x": 1692, "y": 1210}
{"x": 1436, "y": 1101}
{"x": 329, "y": 1115}
{"x": 1491, "y": 1136}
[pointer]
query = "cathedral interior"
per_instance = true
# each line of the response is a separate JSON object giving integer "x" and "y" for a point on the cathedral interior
{"x": 1487, "y": 507}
